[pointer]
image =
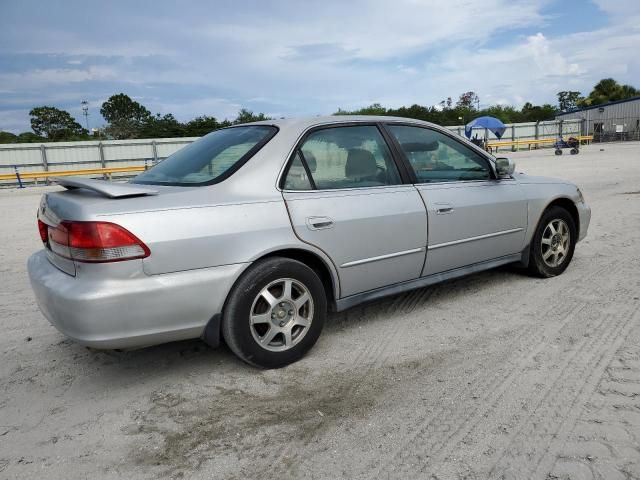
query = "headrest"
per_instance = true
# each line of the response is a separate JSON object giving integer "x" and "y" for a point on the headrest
{"x": 360, "y": 163}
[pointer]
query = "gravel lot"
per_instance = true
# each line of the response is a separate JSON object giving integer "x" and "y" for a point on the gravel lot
{"x": 497, "y": 375}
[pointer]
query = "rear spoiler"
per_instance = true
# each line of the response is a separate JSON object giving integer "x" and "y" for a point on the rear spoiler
{"x": 108, "y": 189}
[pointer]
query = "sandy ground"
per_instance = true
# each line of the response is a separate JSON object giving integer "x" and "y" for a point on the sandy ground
{"x": 497, "y": 375}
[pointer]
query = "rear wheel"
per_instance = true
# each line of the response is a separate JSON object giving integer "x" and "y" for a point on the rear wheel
{"x": 574, "y": 151}
{"x": 553, "y": 243}
{"x": 274, "y": 313}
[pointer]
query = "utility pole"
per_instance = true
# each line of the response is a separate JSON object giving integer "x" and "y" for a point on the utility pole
{"x": 85, "y": 112}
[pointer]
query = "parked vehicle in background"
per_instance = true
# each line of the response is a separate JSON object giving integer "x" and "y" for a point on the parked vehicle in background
{"x": 253, "y": 232}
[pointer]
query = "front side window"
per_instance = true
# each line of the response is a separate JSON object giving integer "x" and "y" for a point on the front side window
{"x": 344, "y": 157}
{"x": 436, "y": 157}
{"x": 209, "y": 159}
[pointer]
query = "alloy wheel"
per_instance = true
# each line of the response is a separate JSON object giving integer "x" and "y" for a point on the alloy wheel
{"x": 281, "y": 314}
{"x": 555, "y": 242}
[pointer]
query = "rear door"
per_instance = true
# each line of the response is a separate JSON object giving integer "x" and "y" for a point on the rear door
{"x": 345, "y": 195}
{"x": 473, "y": 217}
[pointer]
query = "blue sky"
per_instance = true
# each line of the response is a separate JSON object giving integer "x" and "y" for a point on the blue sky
{"x": 287, "y": 58}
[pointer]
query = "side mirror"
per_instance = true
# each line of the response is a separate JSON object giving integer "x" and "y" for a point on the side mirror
{"x": 505, "y": 167}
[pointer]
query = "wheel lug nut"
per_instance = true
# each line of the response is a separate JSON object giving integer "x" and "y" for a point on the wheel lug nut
{"x": 290, "y": 312}
{"x": 282, "y": 324}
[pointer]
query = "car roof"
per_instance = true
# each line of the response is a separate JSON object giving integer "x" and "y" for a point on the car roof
{"x": 303, "y": 123}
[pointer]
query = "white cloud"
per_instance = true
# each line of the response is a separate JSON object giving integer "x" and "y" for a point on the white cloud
{"x": 548, "y": 61}
{"x": 222, "y": 107}
{"x": 407, "y": 69}
{"x": 55, "y": 76}
{"x": 13, "y": 121}
{"x": 213, "y": 58}
{"x": 368, "y": 29}
{"x": 534, "y": 68}
{"x": 619, "y": 8}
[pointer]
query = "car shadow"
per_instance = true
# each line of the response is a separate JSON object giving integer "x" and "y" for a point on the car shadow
{"x": 194, "y": 355}
{"x": 418, "y": 299}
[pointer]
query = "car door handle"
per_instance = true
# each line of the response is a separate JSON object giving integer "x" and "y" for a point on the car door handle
{"x": 444, "y": 208}
{"x": 319, "y": 223}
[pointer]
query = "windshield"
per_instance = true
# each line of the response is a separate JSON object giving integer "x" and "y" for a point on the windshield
{"x": 210, "y": 159}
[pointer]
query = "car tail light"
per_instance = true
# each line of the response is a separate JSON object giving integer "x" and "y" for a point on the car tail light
{"x": 42, "y": 228}
{"x": 95, "y": 242}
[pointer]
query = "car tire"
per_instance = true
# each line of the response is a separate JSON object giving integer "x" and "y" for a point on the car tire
{"x": 553, "y": 243}
{"x": 265, "y": 322}
{"x": 558, "y": 151}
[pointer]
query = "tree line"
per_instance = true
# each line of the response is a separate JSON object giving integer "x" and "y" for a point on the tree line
{"x": 467, "y": 107}
{"x": 128, "y": 119}
{"x": 606, "y": 90}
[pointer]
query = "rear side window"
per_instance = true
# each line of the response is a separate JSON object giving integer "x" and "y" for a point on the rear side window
{"x": 345, "y": 157}
{"x": 297, "y": 177}
{"x": 436, "y": 157}
{"x": 210, "y": 159}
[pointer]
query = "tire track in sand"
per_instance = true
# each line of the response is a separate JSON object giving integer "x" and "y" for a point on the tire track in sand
{"x": 553, "y": 411}
{"x": 441, "y": 421}
{"x": 367, "y": 359}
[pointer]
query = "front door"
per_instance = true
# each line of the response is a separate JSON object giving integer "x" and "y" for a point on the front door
{"x": 345, "y": 196}
{"x": 473, "y": 217}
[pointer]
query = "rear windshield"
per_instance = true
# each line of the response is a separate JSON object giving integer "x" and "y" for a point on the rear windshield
{"x": 210, "y": 159}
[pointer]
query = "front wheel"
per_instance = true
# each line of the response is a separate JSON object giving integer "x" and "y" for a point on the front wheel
{"x": 553, "y": 243}
{"x": 274, "y": 313}
{"x": 558, "y": 151}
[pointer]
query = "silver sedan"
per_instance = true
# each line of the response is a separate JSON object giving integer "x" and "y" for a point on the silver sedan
{"x": 252, "y": 233}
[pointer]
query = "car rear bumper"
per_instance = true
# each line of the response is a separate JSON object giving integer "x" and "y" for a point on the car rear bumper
{"x": 584, "y": 212}
{"x": 130, "y": 312}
